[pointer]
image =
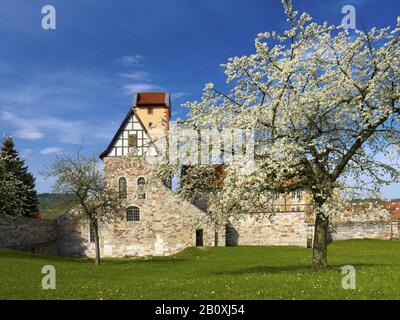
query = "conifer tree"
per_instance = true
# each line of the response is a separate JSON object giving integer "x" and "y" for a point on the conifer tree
{"x": 24, "y": 186}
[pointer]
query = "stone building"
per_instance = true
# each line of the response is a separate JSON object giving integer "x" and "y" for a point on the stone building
{"x": 156, "y": 221}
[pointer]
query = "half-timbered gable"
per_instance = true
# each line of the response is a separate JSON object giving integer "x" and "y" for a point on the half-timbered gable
{"x": 132, "y": 138}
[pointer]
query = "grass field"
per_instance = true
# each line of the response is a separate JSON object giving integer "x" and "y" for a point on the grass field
{"x": 211, "y": 273}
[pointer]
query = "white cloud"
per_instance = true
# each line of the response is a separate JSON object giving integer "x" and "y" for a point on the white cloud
{"x": 51, "y": 150}
{"x": 140, "y": 87}
{"x": 65, "y": 91}
{"x": 141, "y": 79}
{"x": 66, "y": 131}
{"x": 129, "y": 61}
{"x": 180, "y": 94}
{"x": 26, "y": 129}
{"x": 24, "y": 95}
{"x": 136, "y": 75}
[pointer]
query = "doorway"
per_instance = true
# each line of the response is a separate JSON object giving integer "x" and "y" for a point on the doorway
{"x": 199, "y": 237}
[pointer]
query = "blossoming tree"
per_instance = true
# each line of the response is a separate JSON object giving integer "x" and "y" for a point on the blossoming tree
{"x": 324, "y": 104}
{"x": 90, "y": 199}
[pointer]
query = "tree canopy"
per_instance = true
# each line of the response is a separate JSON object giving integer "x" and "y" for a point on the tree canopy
{"x": 324, "y": 104}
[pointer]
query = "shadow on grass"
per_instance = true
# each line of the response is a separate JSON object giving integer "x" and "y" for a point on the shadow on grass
{"x": 23, "y": 255}
{"x": 160, "y": 260}
{"x": 301, "y": 268}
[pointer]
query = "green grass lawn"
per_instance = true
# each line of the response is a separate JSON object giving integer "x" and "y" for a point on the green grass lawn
{"x": 211, "y": 273}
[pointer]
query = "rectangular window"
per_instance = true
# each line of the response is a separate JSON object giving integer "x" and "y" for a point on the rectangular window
{"x": 91, "y": 234}
{"x": 132, "y": 140}
{"x": 132, "y": 214}
{"x": 149, "y": 110}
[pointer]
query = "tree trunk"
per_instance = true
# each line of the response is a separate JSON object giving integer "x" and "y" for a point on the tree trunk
{"x": 320, "y": 247}
{"x": 96, "y": 242}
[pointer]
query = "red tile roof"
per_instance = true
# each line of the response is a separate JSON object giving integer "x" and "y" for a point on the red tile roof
{"x": 392, "y": 206}
{"x": 151, "y": 98}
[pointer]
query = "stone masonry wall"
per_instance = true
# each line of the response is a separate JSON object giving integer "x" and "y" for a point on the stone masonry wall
{"x": 366, "y": 230}
{"x": 28, "y": 234}
{"x": 283, "y": 228}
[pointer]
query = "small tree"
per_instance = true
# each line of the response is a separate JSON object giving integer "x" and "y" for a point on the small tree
{"x": 324, "y": 105}
{"x": 16, "y": 174}
{"x": 79, "y": 177}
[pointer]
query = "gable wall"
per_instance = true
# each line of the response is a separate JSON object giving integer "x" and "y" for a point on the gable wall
{"x": 121, "y": 148}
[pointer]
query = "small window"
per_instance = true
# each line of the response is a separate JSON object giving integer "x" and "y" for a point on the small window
{"x": 141, "y": 183}
{"x": 123, "y": 192}
{"x": 297, "y": 195}
{"x": 149, "y": 110}
{"x": 91, "y": 233}
{"x": 132, "y": 214}
{"x": 132, "y": 140}
{"x": 150, "y": 125}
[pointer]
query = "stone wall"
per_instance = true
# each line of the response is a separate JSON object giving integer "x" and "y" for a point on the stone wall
{"x": 366, "y": 230}
{"x": 73, "y": 236}
{"x": 282, "y": 228}
{"x": 28, "y": 234}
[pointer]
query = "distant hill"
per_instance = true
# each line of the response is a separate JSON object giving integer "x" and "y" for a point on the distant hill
{"x": 52, "y": 205}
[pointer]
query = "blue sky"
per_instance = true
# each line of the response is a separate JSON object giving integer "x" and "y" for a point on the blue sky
{"x": 61, "y": 87}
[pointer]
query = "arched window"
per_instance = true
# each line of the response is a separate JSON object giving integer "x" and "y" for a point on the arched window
{"x": 132, "y": 214}
{"x": 141, "y": 183}
{"x": 123, "y": 193}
